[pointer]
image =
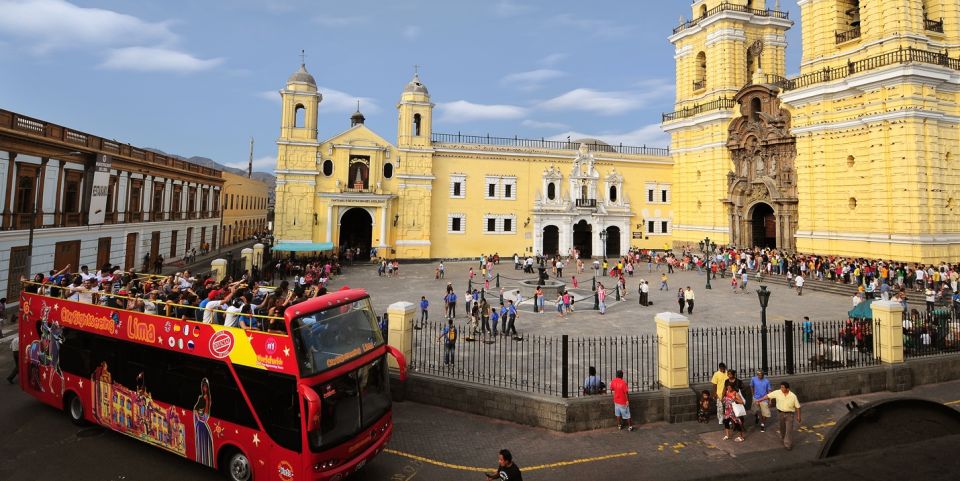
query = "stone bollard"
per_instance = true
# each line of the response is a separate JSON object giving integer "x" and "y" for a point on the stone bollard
{"x": 219, "y": 269}
{"x": 401, "y": 330}
{"x": 888, "y": 338}
{"x": 258, "y": 256}
{"x": 247, "y": 255}
{"x": 672, "y": 350}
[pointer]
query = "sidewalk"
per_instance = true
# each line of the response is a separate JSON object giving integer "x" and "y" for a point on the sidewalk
{"x": 202, "y": 264}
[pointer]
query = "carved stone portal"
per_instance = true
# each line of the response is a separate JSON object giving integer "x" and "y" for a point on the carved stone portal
{"x": 762, "y": 190}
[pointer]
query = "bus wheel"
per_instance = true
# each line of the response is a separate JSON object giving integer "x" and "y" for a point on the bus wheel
{"x": 75, "y": 409}
{"x": 238, "y": 467}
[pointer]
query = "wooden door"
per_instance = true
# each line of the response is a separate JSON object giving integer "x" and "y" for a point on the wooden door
{"x": 173, "y": 244}
{"x": 67, "y": 252}
{"x": 154, "y": 246}
{"x": 130, "y": 256}
{"x": 19, "y": 257}
{"x": 189, "y": 240}
{"x": 103, "y": 251}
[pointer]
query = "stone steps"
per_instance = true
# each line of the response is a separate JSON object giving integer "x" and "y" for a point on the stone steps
{"x": 848, "y": 290}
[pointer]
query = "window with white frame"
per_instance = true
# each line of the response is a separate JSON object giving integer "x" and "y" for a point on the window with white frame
{"x": 658, "y": 193}
{"x": 509, "y": 187}
{"x": 658, "y": 227}
{"x": 458, "y": 186}
{"x": 456, "y": 223}
{"x": 499, "y": 224}
{"x": 665, "y": 194}
{"x": 491, "y": 184}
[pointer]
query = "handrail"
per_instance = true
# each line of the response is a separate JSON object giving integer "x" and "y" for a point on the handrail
{"x": 41, "y": 284}
{"x": 725, "y": 6}
{"x": 541, "y": 143}
{"x": 718, "y": 104}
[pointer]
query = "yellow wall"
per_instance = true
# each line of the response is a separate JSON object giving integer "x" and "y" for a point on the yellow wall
{"x": 247, "y": 213}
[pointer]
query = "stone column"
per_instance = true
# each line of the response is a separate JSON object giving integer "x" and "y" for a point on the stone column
{"x": 672, "y": 350}
{"x": 247, "y": 255}
{"x": 330, "y": 222}
{"x": 218, "y": 267}
{"x": 383, "y": 225}
{"x": 400, "y": 335}
{"x": 258, "y": 255}
{"x": 888, "y": 335}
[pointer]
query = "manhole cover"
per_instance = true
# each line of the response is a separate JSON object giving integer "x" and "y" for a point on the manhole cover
{"x": 90, "y": 432}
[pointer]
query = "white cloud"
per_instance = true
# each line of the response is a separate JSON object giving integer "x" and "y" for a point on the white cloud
{"x": 334, "y": 101}
{"x": 56, "y": 24}
{"x": 507, "y": 8}
{"x": 532, "y": 79}
{"x": 599, "y": 28}
{"x": 156, "y": 59}
{"x": 260, "y": 164}
{"x": 607, "y": 102}
{"x": 536, "y": 124}
{"x": 331, "y": 21}
{"x": 649, "y": 135}
{"x": 464, "y": 111}
{"x": 552, "y": 59}
{"x": 410, "y": 32}
{"x": 271, "y": 95}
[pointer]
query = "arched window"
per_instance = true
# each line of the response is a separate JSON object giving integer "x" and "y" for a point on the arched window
{"x": 328, "y": 167}
{"x": 387, "y": 170}
{"x": 703, "y": 11}
{"x": 299, "y": 115}
{"x": 700, "y": 79}
{"x": 613, "y": 193}
{"x": 551, "y": 191}
{"x": 416, "y": 125}
{"x": 755, "y": 109}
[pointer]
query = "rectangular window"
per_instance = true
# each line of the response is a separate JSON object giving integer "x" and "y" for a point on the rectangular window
{"x": 491, "y": 191}
{"x": 455, "y": 224}
{"x": 173, "y": 244}
{"x": 649, "y": 195}
{"x": 663, "y": 196}
{"x": 664, "y": 227}
{"x": 507, "y": 191}
{"x": 17, "y": 269}
{"x": 508, "y": 225}
{"x": 650, "y": 227}
{"x": 458, "y": 186}
{"x": 456, "y": 189}
{"x": 491, "y": 224}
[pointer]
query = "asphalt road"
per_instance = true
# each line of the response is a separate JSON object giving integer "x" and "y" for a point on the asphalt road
{"x": 432, "y": 444}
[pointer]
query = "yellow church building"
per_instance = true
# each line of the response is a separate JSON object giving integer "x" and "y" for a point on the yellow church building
{"x": 853, "y": 157}
{"x": 434, "y": 195}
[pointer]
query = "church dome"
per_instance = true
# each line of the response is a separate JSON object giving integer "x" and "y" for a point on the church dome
{"x": 302, "y": 76}
{"x": 416, "y": 86}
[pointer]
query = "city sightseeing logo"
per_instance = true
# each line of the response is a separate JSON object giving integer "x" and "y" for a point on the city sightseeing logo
{"x": 285, "y": 471}
{"x": 221, "y": 344}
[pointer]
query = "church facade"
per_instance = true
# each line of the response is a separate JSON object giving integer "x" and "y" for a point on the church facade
{"x": 854, "y": 156}
{"x": 434, "y": 195}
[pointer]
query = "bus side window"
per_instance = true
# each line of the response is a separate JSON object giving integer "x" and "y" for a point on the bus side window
{"x": 275, "y": 398}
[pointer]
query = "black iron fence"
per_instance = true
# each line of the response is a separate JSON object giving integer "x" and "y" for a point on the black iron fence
{"x": 697, "y": 109}
{"x": 725, "y": 6}
{"x": 931, "y": 333}
{"x": 551, "y": 365}
{"x": 541, "y": 143}
{"x": 792, "y": 348}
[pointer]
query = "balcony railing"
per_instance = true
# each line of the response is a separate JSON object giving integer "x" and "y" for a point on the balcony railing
{"x": 699, "y": 84}
{"x": 730, "y": 7}
{"x": 847, "y": 35}
{"x": 588, "y": 203}
{"x": 719, "y": 104}
{"x": 899, "y": 56}
{"x": 459, "y": 138}
{"x": 933, "y": 25}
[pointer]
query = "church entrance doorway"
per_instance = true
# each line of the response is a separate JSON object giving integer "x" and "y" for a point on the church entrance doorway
{"x": 764, "y": 226}
{"x": 583, "y": 239}
{"x": 551, "y": 240}
{"x": 356, "y": 231}
{"x": 613, "y": 242}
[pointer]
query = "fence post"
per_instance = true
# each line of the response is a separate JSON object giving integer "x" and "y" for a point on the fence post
{"x": 483, "y": 293}
{"x": 596, "y": 301}
{"x": 470, "y": 285}
{"x": 400, "y": 334}
{"x": 788, "y": 345}
{"x": 564, "y": 367}
{"x": 498, "y": 279}
{"x": 593, "y": 284}
{"x": 618, "y": 292}
{"x": 889, "y": 336}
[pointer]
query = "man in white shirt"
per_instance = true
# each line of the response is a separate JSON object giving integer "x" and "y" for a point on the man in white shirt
{"x": 85, "y": 273}
{"x": 233, "y": 312}
{"x": 208, "y": 314}
{"x": 799, "y": 282}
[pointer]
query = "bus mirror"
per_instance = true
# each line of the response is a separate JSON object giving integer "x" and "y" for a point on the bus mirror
{"x": 313, "y": 407}
{"x": 401, "y": 361}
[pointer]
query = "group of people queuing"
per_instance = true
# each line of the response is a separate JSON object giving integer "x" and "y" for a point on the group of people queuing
{"x": 728, "y": 401}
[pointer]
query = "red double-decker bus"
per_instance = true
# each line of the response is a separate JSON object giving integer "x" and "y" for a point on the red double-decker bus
{"x": 311, "y": 405}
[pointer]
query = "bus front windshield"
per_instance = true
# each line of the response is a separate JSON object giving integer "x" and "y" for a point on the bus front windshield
{"x": 328, "y": 338}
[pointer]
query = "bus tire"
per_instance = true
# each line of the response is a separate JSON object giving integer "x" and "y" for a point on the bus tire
{"x": 237, "y": 466}
{"x": 74, "y": 407}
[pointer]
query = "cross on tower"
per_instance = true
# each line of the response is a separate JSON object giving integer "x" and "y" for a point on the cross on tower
{"x": 303, "y": 57}
{"x": 416, "y": 69}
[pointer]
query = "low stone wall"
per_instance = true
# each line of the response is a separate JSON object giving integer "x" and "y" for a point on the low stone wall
{"x": 596, "y": 412}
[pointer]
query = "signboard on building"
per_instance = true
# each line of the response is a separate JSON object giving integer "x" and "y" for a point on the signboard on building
{"x": 637, "y": 235}
{"x": 100, "y": 189}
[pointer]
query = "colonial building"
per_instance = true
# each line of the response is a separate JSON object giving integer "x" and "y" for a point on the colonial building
{"x": 245, "y": 207}
{"x": 434, "y": 195}
{"x": 852, "y": 157}
{"x": 69, "y": 197}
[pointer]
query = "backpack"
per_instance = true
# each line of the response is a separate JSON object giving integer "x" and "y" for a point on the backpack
{"x": 452, "y": 335}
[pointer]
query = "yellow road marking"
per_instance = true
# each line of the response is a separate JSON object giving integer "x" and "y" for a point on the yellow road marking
{"x": 824, "y": 425}
{"x": 538, "y": 467}
{"x": 952, "y": 402}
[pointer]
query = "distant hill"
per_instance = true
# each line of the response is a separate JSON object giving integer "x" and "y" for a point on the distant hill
{"x": 264, "y": 177}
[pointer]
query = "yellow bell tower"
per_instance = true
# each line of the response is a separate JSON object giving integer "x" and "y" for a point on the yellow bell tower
{"x": 875, "y": 114}
{"x": 724, "y": 47}
{"x": 415, "y": 171}
{"x": 297, "y": 149}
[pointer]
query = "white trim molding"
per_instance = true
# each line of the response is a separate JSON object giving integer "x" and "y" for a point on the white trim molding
{"x": 412, "y": 242}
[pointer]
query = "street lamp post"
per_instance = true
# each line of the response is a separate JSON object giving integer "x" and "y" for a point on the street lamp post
{"x": 764, "y": 296}
{"x": 707, "y": 247}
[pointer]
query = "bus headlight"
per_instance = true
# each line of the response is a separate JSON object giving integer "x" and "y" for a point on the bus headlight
{"x": 328, "y": 464}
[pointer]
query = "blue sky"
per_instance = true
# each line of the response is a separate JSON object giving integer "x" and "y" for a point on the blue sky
{"x": 201, "y": 77}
